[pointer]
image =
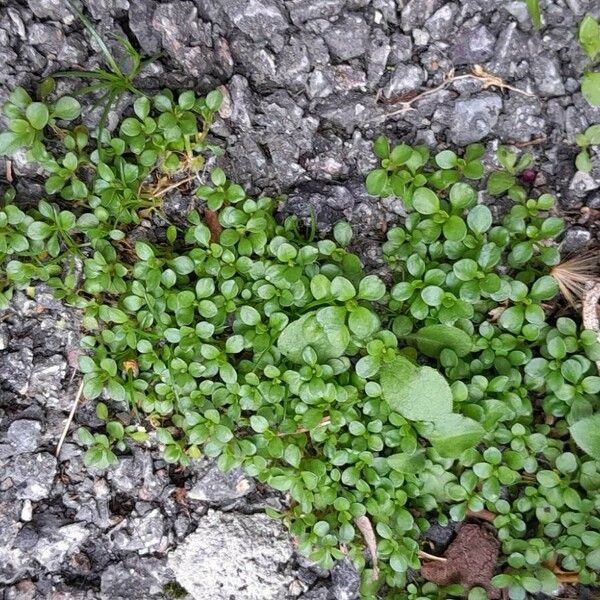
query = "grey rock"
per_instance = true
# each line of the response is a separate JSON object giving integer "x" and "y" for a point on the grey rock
{"x": 401, "y": 48}
{"x": 345, "y": 581}
{"x": 140, "y": 22}
{"x": 51, "y": 9}
{"x": 307, "y": 10}
{"x": 258, "y": 19}
{"x": 45, "y": 384}
{"x": 441, "y": 23}
{"x": 518, "y": 10}
{"x": 405, "y": 78}
{"x": 134, "y": 579}
{"x": 576, "y": 239}
{"x": 50, "y": 38}
{"x": 348, "y": 37}
{"x": 53, "y": 548}
{"x": 144, "y": 534}
{"x": 473, "y": 46}
{"x": 416, "y": 12}
{"x": 321, "y": 83}
{"x": 219, "y": 488}
{"x": 24, "y": 435}
{"x": 234, "y": 556}
{"x": 474, "y": 118}
{"x": 583, "y": 183}
{"x": 184, "y": 38}
{"x": 377, "y": 57}
{"x": 28, "y": 476}
{"x": 547, "y": 76}
{"x": 420, "y": 37}
{"x": 350, "y": 110}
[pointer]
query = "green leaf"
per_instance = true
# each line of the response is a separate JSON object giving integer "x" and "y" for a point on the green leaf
{"x": 425, "y": 201}
{"x": 376, "y": 182}
{"x": 37, "y": 114}
{"x": 586, "y": 434}
{"x": 218, "y": 177}
{"x": 446, "y": 159}
{"x": 590, "y": 87}
{"x": 363, "y": 322}
{"x": 589, "y": 36}
{"x": 583, "y": 162}
{"x": 39, "y": 230}
{"x": 371, "y": 288}
{"x": 10, "y": 142}
{"x": 144, "y": 251}
{"x": 533, "y": 8}
{"x": 328, "y": 336}
{"x": 381, "y": 147}
{"x": 66, "y": 108}
{"x": 479, "y": 218}
{"x": 453, "y": 434}
{"x": 499, "y": 182}
{"x": 214, "y": 100}
{"x": 454, "y": 229}
{"x": 432, "y": 339}
{"x": 342, "y": 232}
{"x": 258, "y": 423}
{"x": 419, "y": 394}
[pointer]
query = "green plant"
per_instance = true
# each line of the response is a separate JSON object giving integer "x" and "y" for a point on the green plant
{"x": 235, "y": 338}
{"x": 535, "y": 13}
{"x": 505, "y": 181}
{"x": 589, "y": 40}
{"x": 591, "y": 137}
{"x": 116, "y": 79}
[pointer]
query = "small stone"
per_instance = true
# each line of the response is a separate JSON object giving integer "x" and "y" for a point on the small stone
{"x": 345, "y": 581}
{"x": 420, "y": 37}
{"x": 232, "y": 555}
{"x": 24, "y": 435}
{"x": 258, "y": 19}
{"x": 52, "y": 549}
{"x": 575, "y": 240}
{"x": 308, "y": 10}
{"x": 473, "y": 119}
{"x": 51, "y": 9}
{"x": 547, "y": 76}
{"x": 583, "y": 183}
{"x": 31, "y": 475}
{"x": 405, "y": 78}
{"x": 416, "y": 12}
{"x": 348, "y": 38}
{"x": 220, "y": 488}
{"x": 474, "y": 46}
{"x": 441, "y": 23}
{"x": 27, "y": 511}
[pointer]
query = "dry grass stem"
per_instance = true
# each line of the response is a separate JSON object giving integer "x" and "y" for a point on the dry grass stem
{"x": 574, "y": 274}
{"x": 364, "y": 525}
{"x": 427, "y": 556}
{"x": 486, "y": 79}
{"x": 69, "y": 419}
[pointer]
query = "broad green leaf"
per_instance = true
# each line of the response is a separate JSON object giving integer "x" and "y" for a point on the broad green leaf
{"x": 589, "y": 36}
{"x": 499, "y": 182}
{"x": 425, "y": 201}
{"x": 417, "y": 393}
{"x": 37, "y": 114}
{"x": 590, "y": 87}
{"x": 66, "y": 108}
{"x": 453, "y": 434}
{"x": 376, "y": 182}
{"x": 432, "y": 339}
{"x": 586, "y": 434}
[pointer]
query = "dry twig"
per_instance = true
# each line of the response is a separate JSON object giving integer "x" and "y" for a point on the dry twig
{"x": 589, "y": 310}
{"x": 69, "y": 419}
{"x": 364, "y": 526}
{"x": 9, "y": 172}
{"x": 486, "y": 79}
{"x": 427, "y": 556}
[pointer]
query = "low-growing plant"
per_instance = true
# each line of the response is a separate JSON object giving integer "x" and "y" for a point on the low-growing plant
{"x": 515, "y": 171}
{"x": 591, "y": 137}
{"x": 589, "y": 40}
{"x": 456, "y": 388}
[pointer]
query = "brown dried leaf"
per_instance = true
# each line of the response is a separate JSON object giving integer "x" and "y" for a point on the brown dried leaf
{"x": 211, "y": 218}
{"x": 471, "y": 560}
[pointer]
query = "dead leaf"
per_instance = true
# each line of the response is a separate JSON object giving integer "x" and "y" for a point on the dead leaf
{"x": 365, "y": 527}
{"x": 211, "y": 218}
{"x": 471, "y": 560}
